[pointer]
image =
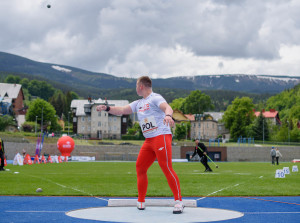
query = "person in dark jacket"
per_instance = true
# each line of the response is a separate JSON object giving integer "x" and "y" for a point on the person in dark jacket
{"x": 2, "y": 152}
{"x": 201, "y": 150}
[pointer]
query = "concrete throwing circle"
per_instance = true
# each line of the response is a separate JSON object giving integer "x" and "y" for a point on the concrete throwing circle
{"x": 154, "y": 214}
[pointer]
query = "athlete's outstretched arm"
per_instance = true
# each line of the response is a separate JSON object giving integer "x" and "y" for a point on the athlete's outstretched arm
{"x": 121, "y": 110}
{"x": 166, "y": 108}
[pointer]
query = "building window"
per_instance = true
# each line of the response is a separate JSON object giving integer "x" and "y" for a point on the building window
{"x": 115, "y": 118}
{"x": 89, "y": 128}
{"x": 199, "y": 124}
{"x": 99, "y": 114}
{"x": 82, "y": 119}
{"x": 89, "y": 118}
{"x": 82, "y": 128}
{"x": 109, "y": 119}
{"x": 115, "y": 128}
{"x": 124, "y": 120}
{"x": 99, "y": 124}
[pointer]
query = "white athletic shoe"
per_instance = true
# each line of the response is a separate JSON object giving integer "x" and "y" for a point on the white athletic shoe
{"x": 178, "y": 207}
{"x": 141, "y": 205}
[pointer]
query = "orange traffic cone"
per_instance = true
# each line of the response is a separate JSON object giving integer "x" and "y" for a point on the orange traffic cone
{"x": 27, "y": 160}
{"x": 36, "y": 159}
{"x": 43, "y": 160}
{"x": 49, "y": 159}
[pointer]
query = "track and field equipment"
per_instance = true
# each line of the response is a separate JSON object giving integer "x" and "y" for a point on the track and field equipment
{"x": 209, "y": 158}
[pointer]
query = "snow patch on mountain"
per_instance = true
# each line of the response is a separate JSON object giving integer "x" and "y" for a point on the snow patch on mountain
{"x": 285, "y": 79}
{"x": 62, "y": 69}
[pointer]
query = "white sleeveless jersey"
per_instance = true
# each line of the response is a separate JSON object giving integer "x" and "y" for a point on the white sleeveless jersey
{"x": 150, "y": 116}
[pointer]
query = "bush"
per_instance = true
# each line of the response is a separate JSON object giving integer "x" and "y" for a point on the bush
{"x": 5, "y": 121}
{"x": 30, "y": 126}
{"x": 27, "y": 128}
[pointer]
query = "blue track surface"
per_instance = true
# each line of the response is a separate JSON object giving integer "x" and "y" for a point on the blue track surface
{"x": 52, "y": 209}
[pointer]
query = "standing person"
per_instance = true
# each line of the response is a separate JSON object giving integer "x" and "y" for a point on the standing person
{"x": 155, "y": 118}
{"x": 2, "y": 152}
{"x": 277, "y": 156}
{"x": 273, "y": 155}
{"x": 24, "y": 153}
{"x": 201, "y": 149}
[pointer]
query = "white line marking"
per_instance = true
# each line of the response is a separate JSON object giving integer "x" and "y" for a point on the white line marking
{"x": 37, "y": 211}
{"x": 217, "y": 192}
{"x": 243, "y": 173}
{"x": 62, "y": 185}
{"x": 271, "y": 212}
{"x": 203, "y": 173}
{"x": 100, "y": 198}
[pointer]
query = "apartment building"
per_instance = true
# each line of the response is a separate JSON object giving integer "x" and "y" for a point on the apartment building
{"x": 89, "y": 122}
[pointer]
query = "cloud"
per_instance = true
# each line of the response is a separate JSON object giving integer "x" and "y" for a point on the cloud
{"x": 156, "y": 37}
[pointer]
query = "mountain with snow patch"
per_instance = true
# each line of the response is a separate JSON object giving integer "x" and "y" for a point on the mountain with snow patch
{"x": 83, "y": 80}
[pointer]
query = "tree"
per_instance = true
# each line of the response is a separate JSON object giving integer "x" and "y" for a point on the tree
{"x": 41, "y": 89}
{"x": 69, "y": 96}
{"x": 176, "y": 104}
{"x": 11, "y": 79}
{"x": 24, "y": 82}
{"x": 295, "y": 112}
{"x": 285, "y": 102}
{"x": 238, "y": 116}
{"x": 39, "y": 108}
{"x": 260, "y": 128}
{"x": 196, "y": 103}
{"x": 58, "y": 101}
{"x": 182, "y": 130}
{"x": 5, "y": 121}
{"x": 46, "y": 90}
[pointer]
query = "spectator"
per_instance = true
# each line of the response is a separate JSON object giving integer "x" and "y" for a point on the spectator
{"x": 24, "y": 152}
{"x": 2, "y": 153}
{"x": 277, "y": 156}
{"x": 273, "y": 155}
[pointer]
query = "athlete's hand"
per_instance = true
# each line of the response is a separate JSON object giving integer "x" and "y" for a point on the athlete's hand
{"x": 101, "y": 107}
{"x": 168, "y": 120}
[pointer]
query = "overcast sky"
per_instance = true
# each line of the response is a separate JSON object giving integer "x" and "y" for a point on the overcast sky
{"x": 160, "y": 38}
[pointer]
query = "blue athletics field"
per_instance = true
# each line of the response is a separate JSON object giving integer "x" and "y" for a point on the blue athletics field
{"x": 248, "y": 188}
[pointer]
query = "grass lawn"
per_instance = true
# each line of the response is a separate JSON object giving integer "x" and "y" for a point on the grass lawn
{"x": 119, "y": 179}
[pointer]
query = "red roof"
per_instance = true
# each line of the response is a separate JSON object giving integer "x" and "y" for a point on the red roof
{"x": 191, "y": 117}
{"x": 268, "y": 114}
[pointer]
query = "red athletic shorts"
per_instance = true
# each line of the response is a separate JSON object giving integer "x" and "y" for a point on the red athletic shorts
{"x": 159, "y": 147}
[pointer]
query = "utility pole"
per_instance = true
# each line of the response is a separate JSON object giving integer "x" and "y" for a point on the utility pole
{"x": 263, "y": 131}
{"x": 68, "y": 123}
{"x": 42, "y": 120}
{"x": 35, "y": 124}
{"x": 288, "y": 131}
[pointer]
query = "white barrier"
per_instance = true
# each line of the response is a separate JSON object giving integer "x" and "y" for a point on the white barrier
{"x": 83, "y": 158}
